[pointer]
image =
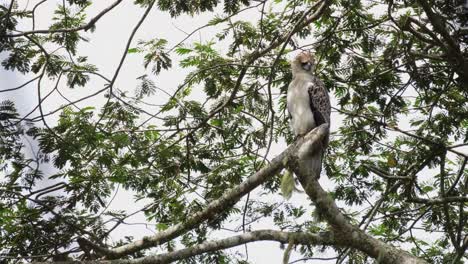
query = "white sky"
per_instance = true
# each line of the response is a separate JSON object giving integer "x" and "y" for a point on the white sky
{"x": 104, "y": 50}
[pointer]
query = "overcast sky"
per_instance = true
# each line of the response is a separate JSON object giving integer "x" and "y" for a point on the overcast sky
{"x": 104, "y": 50}
{"x": 106, "y": 46}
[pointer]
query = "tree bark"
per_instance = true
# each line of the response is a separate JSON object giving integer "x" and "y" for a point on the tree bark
{"x": 344, "y": 232}
{"x": 212, "y": 209}
{"x": 341, "y": 234}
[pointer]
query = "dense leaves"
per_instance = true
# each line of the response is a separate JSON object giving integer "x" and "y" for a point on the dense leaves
{"x": 397, "y": 69}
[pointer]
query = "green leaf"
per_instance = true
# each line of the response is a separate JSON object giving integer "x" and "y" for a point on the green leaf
{"x": 161, "y": 226}
{"x": 287, "y": 184}
{"x": 182, "y": 50}
{"x": 216, "y": 122}
{"x": 88, "y": 109}
{"x": 391, "y": 161}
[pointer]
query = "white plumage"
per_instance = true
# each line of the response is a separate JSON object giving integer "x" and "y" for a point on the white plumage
{"x": 308, "y": 106}
{"x": 302, "y": 117}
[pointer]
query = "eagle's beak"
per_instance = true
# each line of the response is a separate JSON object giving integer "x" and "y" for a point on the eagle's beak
{"x": 307, "y": 66}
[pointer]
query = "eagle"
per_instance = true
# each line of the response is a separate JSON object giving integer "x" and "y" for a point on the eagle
{"x": 308, "y": 105}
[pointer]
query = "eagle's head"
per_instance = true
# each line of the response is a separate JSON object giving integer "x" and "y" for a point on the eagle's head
{"x": 303, "y": 63}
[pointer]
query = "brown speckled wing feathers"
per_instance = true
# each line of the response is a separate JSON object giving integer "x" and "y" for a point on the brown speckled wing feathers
{"x": 319, "y": 102}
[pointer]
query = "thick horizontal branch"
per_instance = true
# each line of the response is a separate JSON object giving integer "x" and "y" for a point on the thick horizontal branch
{"x": 215, "y": 207}
{"x": 445, "y": 200}
{"x": 323, "y": 238}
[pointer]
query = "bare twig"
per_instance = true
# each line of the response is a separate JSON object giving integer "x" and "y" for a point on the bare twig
{"x": 85, "y": 27}
{"x": 212, "y": 209}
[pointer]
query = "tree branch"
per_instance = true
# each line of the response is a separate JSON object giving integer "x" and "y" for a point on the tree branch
{"x": 453, "y": 46}
{"x": 450, "y": 199}
{"x": 323, "y": 238}
{"x": 85, "y": 27}
{"x": 215, "y": 207}
{"x": 348, "y": 234}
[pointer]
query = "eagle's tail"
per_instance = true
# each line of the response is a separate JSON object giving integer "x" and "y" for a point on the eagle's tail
{"x": 312, "y": 164}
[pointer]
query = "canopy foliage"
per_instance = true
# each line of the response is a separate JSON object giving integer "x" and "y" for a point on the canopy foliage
{"x": 398, "y": 73}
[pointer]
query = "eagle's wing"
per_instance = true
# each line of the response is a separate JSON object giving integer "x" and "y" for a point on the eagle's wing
{"x": 319, "y": 101}
{"x": 321, "y": 109}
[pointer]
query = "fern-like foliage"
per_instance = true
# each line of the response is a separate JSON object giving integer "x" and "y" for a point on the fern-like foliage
{"x": 7, "y": 110}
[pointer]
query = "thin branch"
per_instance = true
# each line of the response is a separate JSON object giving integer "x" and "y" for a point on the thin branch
{"x": 122, "y": 59}
{"x": 462, "y": 251}
{"x": 125, "y": 52}
{"x": 250, "y": 59}
{"x": 442, "y": 193}
{"x": 33, "y": 15}
{"x": 188, "y": 35}
{"x": 450, "y": 199}
{"x": 7, "y": 14}
{"x": 85, "y": 27}
{"x": 211, "y": 210}
{"x": 383, "y": 174}
{"x": 459, "y": 175}
{"x": 397, "y": 129}
{"x": 21, "y": 86}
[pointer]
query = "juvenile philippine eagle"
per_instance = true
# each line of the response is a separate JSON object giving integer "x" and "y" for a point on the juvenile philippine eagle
{"x": 308, "y": 105}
